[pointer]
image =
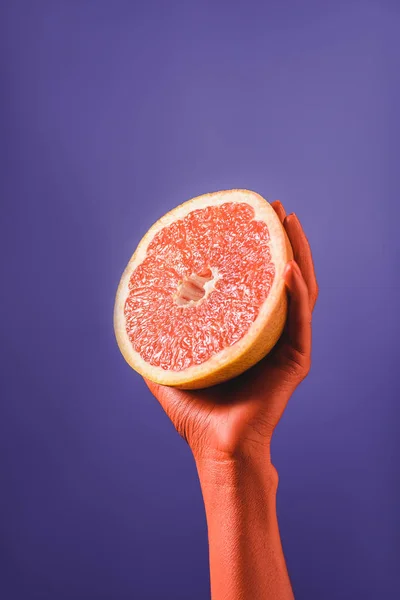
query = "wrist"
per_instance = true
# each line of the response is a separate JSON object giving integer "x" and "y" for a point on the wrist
{"x": 237, "y": 472}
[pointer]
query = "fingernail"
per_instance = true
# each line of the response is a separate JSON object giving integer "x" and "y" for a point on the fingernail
{"x": 287, "y": 268}
{"x": 293, "y": 218}
{"x": 288, "y": 218}
{"x": 296, "y": 267}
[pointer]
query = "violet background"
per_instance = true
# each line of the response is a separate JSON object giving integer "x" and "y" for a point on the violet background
{"x": 111, "y": 114}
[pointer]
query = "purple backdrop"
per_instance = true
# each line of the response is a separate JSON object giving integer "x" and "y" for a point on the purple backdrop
{"x": 112, "y": 113}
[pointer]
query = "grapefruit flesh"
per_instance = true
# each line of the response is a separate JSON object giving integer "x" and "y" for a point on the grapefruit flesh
{"x": 203, "y": 298}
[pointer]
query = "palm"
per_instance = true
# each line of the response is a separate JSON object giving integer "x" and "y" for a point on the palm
{"x": 243, "y": 412}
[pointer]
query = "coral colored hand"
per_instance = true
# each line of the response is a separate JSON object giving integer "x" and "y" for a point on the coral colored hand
{"x": 238, "y": 417}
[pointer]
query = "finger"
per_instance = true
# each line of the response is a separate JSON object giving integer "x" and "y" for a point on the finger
{"x": 302, "y": 255}
{"x": 280, "y": 211}
{"x": 299, "y": 312}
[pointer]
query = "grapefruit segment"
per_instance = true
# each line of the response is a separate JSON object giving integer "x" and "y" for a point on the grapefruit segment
{"x": 203, "y": 298}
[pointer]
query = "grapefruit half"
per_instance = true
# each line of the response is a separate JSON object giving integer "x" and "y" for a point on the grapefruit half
{"x": 203, "y": 297}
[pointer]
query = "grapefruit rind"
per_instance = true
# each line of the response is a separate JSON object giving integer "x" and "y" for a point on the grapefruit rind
{"x": 262, "y": 334}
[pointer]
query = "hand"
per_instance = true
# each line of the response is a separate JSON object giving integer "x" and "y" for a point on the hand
{"x": 238, "y": 417}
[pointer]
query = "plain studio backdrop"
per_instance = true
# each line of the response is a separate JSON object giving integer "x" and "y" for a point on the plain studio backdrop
{"x": 113, "y": 112}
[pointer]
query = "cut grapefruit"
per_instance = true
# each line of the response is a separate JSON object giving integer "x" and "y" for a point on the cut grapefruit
{"x": 203, "y": 297}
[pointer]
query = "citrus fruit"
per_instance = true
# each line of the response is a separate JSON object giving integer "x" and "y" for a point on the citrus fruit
{"x": 203, "y": 297}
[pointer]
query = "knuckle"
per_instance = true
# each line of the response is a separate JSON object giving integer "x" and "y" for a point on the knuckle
{"x": 298, "y": 364}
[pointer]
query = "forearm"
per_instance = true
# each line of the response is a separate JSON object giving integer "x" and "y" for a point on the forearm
{"x": 246, "y": 556}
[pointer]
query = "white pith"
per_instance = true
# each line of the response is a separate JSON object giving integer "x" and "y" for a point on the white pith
{"x": 208, "y": 286}
{"x": 277, "y": 244}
